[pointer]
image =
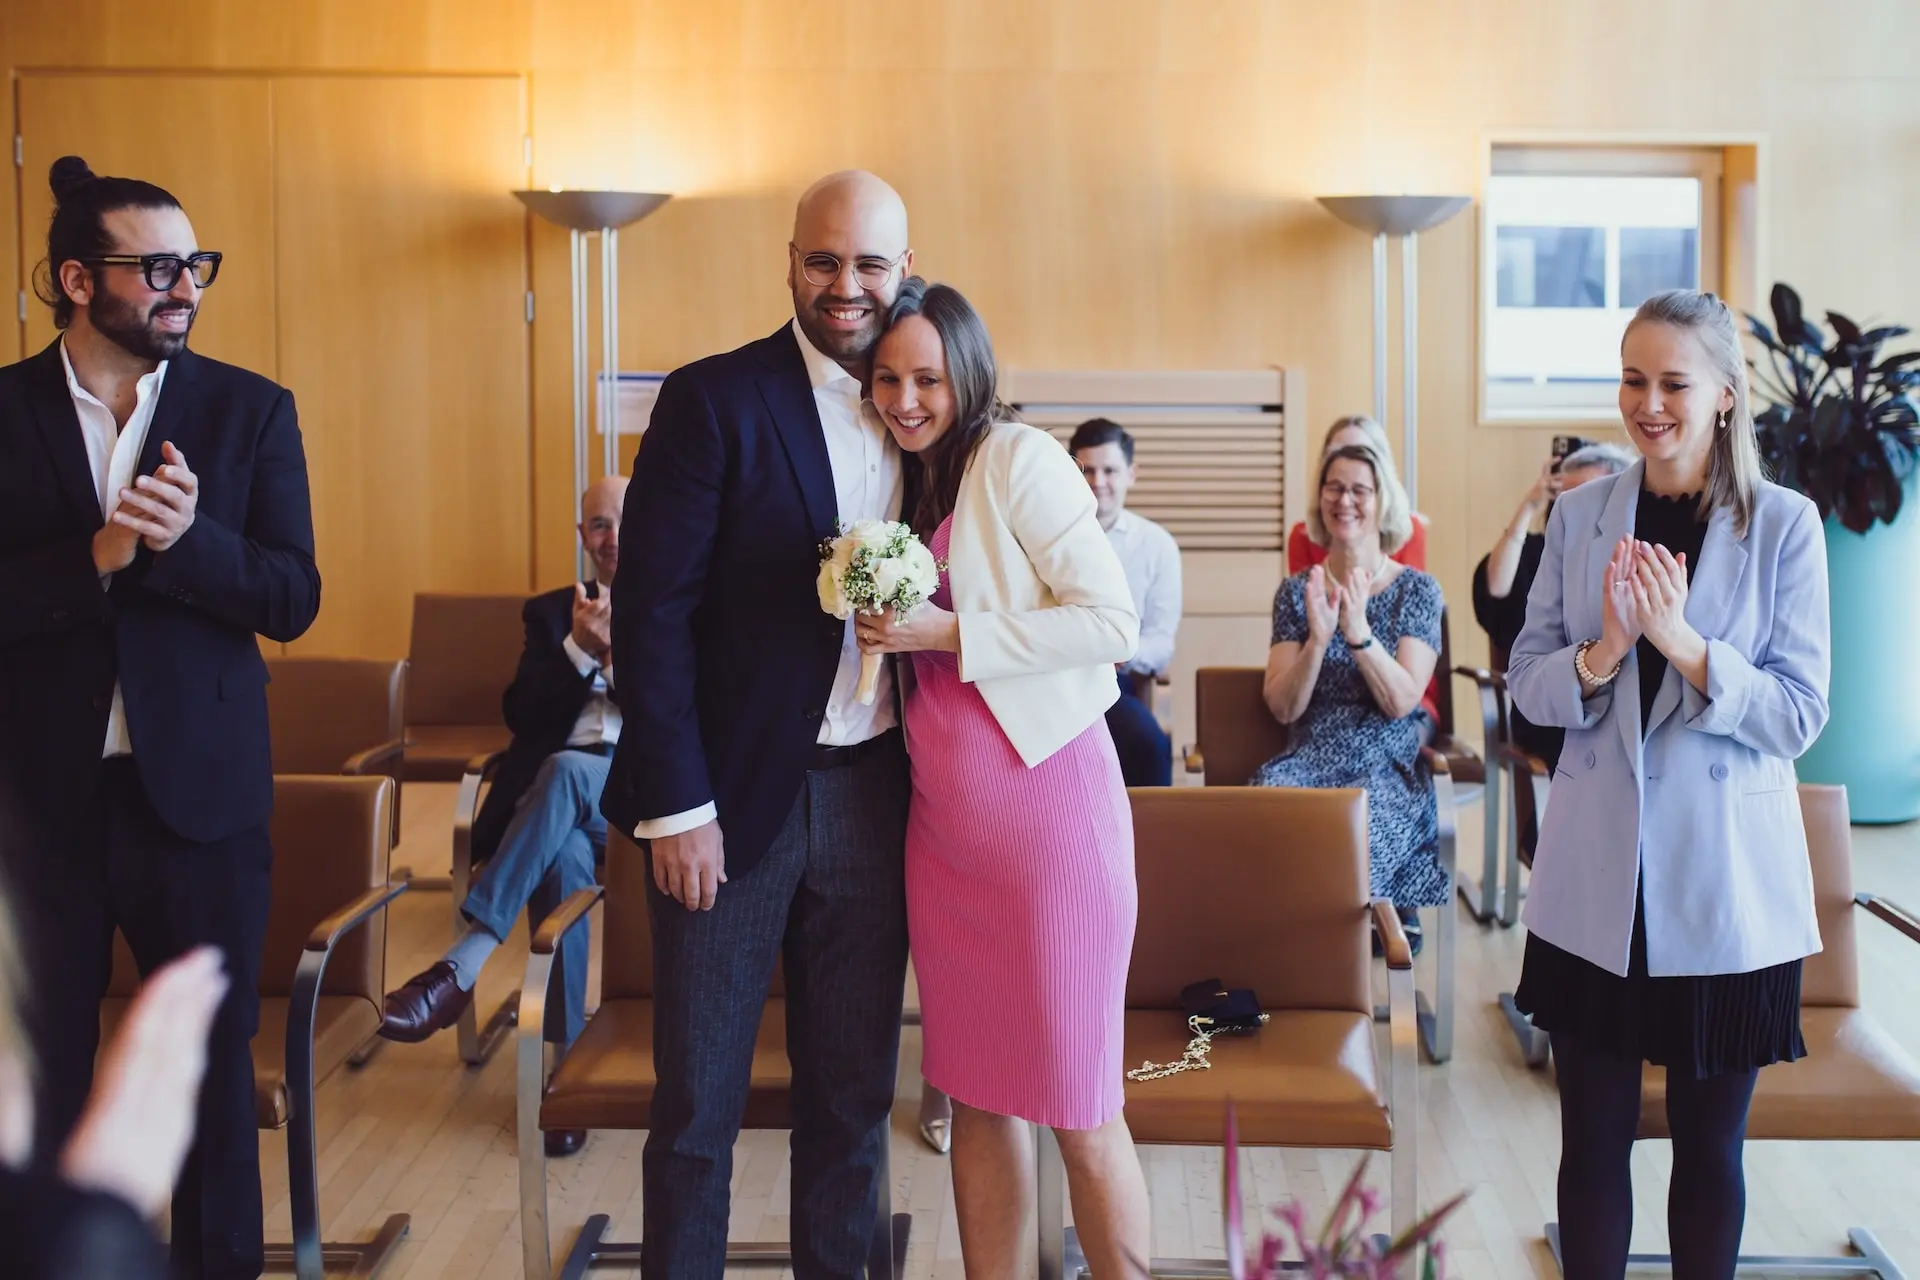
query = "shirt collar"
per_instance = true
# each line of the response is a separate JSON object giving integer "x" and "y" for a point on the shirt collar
{"x": 1123, "y": 523}
{"x": 147, "y": 385}
{"x": 821, "y": 371}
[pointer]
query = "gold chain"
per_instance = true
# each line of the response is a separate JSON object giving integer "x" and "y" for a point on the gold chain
{"x": 1194, "y": 1059}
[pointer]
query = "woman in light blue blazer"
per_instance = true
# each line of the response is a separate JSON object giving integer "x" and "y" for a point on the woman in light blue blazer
{"x": 1677, "y": 630}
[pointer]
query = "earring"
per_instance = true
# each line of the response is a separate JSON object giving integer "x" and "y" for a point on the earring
{"x": 1726, "y": 420}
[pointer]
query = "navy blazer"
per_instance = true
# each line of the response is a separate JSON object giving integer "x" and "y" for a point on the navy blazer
{"x": 541, "y": 706}
{"x": 177, "y": 629}
{"x": 1700, "y": 804}
{"x": 725, "y": 659}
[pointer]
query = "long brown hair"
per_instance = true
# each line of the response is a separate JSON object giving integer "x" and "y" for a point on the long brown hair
{"x": 933, "y": 475}
{"x": 1734, "y": 470}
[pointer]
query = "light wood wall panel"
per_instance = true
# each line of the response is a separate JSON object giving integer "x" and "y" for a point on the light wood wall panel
{"x": 208, "y": 141}
{"x": 403, "y": 336}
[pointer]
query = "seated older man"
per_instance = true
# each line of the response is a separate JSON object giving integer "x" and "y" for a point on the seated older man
{"x": 540, "y": 832}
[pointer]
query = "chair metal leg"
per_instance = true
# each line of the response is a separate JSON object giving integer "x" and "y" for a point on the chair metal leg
{"x": 1486, "y": 898}
{"x": 1436, "y": 1023}
{"x": 1403, "y": 1086}
{"x": 530, "y": 1086}
{"x": 1533, "y": 1042}
{"x": 477, "y": 1042}
{"x": 361, "y": 1056}
{"x": 1867, "y": 1259}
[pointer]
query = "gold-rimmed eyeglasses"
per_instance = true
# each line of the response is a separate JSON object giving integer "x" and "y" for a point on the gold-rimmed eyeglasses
{"x": 869, "y": 272}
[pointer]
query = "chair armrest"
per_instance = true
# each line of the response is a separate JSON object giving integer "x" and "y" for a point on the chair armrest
{"x": 546, "y": 939}
{"x": 1393, "y": 934}
{"x": 1525, "y": 761}
{"x": 1195, "y": 761}
{"x": 352, "y": 916}
{"x": 1482, "y": 676}
{"x": 1893, "y": 913}
{"x": 373, "y": 759}
{"x": 1436, "y": 760}
{"x": 1163, "y": 680}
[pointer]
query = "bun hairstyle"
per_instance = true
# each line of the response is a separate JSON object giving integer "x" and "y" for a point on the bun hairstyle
{"x": 81, "y": 201}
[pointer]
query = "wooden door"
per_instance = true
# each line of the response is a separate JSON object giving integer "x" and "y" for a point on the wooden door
{"x": 208, "y": 140}
{"x": 401, "y": 265}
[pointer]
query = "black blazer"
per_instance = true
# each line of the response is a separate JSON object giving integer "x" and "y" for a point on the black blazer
{"x": 178, "y": 629}
{"x": 542, "y": 704}
{"x": 723, "y": 656}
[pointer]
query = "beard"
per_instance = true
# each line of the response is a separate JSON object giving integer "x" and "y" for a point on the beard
{"x": 130, "y": 327}
{"x": 838, "y": 344}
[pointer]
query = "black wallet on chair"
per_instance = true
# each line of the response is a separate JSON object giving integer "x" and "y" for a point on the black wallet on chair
{"x": 1234, "y": 1012}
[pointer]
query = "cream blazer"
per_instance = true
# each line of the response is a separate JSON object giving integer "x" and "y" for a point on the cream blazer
{"x": 1045, "y": 611}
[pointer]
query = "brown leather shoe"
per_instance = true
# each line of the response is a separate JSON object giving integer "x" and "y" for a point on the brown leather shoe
{"x": 429, "y": 1001}
{"x": 565, "y": 1142}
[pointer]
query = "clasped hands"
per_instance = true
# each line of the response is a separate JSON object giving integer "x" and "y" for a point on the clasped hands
{"x": 926, "y": 626}
{"x": 1646, "y": 595}
{"x": 1332, "y": 603}
{"x": 157, "y": 510}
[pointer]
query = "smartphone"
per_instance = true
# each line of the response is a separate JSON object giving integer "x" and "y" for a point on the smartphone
{"x": 1564, "y": 445}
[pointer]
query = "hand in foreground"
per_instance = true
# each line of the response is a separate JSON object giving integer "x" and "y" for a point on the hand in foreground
{"x": 160, "y": 507}
{"x": 1323, "y": 605}
{"x": 1620, "y": 617}
{"x": 1659, "y": 586}
{"x": 592, "y": 622}
{"x": 134, "y": 1134}
{"x": 1353, "y": 606}
{"x": 691, "y": 867}
{"x": 927, "y": 627}
{"x": 114, "y": 544}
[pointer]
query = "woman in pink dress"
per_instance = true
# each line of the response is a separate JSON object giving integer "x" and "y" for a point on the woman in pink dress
{"x": 1020, "y": 888}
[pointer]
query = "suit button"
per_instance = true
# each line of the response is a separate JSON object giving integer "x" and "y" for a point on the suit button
{"x": 1592, "y": 760}
{"x": 102, "y": 702}
{"x": 1719, "y": 773}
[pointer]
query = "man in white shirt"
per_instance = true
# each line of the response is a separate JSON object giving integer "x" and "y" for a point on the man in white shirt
{"x": 539, "y": 834}
{"x": 773, "y": 803}
{"x": 1151, "y": 558}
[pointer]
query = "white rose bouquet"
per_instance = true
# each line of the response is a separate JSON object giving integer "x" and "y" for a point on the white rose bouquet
{"x": 874, "y": 566}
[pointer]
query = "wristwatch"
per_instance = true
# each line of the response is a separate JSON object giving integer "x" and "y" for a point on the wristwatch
{"x": 1364, "y": 644}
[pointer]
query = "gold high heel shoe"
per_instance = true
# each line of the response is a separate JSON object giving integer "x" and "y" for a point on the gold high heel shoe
{"x": 936, "y": 1119}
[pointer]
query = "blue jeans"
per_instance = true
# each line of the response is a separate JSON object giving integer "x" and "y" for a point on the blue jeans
{"x": 549, "y": 850}
{"x": 1145, "y": 751}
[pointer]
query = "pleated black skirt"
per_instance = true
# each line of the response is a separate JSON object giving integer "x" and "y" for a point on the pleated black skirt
{"x": 1696, "y": 1026}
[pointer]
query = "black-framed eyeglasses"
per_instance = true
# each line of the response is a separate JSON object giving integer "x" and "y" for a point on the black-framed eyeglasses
{"x": 162, "y": 270}
{"x": 823, "y": 269}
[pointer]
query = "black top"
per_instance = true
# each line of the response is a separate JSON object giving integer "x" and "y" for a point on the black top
{"x": 1503, "y": 618}
{"x": 1673, "y": 523}
{"x": 52, "y": 1230}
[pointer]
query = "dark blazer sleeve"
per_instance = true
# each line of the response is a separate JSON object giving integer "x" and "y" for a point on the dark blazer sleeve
{"x": 261, "y": 577}
{"x": 667, "y": 538}
{"x": 49, "y": 588}
{"x": 548, "y": 691}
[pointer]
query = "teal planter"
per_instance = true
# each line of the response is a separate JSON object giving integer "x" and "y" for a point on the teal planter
{"x": 1872, "y": 742}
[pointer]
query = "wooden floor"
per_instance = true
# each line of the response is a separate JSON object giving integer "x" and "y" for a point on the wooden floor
{"x": 415, "y": 1131}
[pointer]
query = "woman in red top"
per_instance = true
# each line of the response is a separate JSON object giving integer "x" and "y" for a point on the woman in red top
{"x": 1304, "y": 553}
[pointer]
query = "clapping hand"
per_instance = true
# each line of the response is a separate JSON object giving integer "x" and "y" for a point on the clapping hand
{"x": 160, "y": 507}
{"x": 1620, "y": 622}
{"x": 1353, "y": 606}
{"x": 1659, "y": 588}
{"x": 1323, "y": 605}
{"x": 134, "y": 1134}
{"x": 592, "y": 623}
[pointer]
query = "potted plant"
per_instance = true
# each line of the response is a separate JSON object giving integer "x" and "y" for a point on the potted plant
{"x": 1841, "y": 424}
{"x": 1342, "y": 1247}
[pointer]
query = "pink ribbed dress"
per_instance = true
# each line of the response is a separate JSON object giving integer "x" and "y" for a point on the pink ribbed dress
{"x": 1020, "y": 906}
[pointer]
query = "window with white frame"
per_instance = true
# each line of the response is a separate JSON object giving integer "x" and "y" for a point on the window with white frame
{"x": 1572, "y": 241}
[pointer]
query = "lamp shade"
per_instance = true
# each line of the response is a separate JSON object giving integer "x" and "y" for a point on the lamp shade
{"x": 592, "y": 210}
{"x": 1394, "y": 215}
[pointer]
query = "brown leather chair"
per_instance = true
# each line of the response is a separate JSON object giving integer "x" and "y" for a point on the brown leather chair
{"x": 338, "y": 715}
{"x": 322, "y": 975}
{"x": 1265, "y": 888}
{"x": 1235, "y": 734}
{"x": 605, "y": 1080}
{"x": 464, "y": 651}
{"x": 1856, "y": 1084}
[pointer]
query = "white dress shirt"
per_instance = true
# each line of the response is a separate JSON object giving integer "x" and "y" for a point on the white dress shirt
{"x": 867, "y": 480}
{"x": 599, "y": 720}
{"x": 114, "y": 452}
{"x": 1152, "y": 560}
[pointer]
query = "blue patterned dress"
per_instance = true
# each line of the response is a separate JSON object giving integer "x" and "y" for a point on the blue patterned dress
{"x": 1345, "y": 740}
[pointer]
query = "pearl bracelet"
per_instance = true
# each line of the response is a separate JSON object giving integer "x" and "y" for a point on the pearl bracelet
{"x": 1586, "y": 673}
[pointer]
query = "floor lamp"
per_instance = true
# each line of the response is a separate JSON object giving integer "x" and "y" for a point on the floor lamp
{"x": 583, "y": 213}
{"x": 1407, "y": 217}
